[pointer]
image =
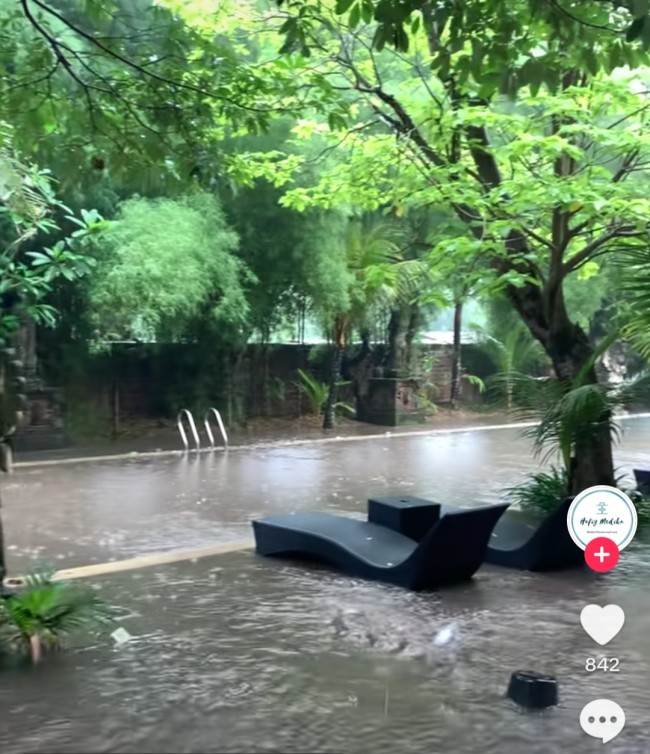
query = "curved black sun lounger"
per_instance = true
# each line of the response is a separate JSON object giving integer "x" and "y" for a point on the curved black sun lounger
{"x": 547, "y": 547}
{"x": 451, "y": 551}
{"x": 642, "y": 478}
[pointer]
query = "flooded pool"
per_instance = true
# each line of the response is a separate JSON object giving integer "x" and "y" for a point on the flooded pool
{"x": 242, "y": 654}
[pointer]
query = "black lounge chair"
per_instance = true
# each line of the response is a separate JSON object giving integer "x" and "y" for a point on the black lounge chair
{"x": 642, "y": 478}
{"x": 515, "y": 543}
{"x": 451, "y": 551}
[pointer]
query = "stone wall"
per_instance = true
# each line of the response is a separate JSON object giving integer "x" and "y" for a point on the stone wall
{"x": 132, "y": 382}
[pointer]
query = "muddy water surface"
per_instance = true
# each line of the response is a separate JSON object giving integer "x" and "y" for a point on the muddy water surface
{"x": 238, "y": 654}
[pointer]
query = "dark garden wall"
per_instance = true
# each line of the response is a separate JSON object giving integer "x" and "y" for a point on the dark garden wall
{"x": 154, "y": 381}
{"x": 131, "y": 382}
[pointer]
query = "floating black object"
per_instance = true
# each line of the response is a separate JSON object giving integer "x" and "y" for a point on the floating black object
{"x": 532, "y": 690}
{"x": 452, "y": 550}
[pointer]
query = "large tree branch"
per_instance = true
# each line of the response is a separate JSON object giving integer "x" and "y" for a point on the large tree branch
{"x": 588, "y": 251}
{"x": 96, "y": 42}
{"x": 627, "y": 166}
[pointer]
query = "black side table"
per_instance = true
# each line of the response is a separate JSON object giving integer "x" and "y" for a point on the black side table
{"x": 411, "y": 516}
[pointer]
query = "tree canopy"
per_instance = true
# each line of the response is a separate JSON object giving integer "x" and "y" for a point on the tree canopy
{"x": 162, "y": 265}
{"x": 248, "y": 153}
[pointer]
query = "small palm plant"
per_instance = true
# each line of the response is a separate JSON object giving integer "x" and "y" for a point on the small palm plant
{"x": 43, "y": 612}
{"x": 515, "y": 354}
{"x": 316, "y": 393}
{"x": 314, "y": 390}
{"x": 571, "y": 414}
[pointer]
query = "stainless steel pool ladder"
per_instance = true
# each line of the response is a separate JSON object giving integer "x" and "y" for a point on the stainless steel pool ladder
{"x": 211, "y": 412}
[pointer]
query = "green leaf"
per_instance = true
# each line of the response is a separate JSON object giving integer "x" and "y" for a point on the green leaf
{"x": 401, "y": 39}
{"x": 532, "y": 73}
{"x": 635, "y": 29}
{"x": 342, "y": 6}
{"x": 591, "y": 61}
{"x": 354, "y": 17}
{"x": 379, "y": 40}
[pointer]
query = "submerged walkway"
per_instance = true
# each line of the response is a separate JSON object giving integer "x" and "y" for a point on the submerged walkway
{"x": 76, "y": 455}
{"x": 92, "y": 515}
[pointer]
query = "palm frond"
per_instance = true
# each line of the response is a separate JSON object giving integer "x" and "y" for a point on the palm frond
{"x": 564, "y": 414}
{"x": 53, "y": 610}
{"x": 597, "y": 353}
{"x": 541, "y": 492}
{"x": 634, "y": 264}
{"x": 635, "y": 390}
{"x": 313, "y": 389}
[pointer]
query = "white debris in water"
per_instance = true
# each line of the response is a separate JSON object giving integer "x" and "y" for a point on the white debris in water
{"x": 121, "y": 636}
{"x": 445, "y": 635}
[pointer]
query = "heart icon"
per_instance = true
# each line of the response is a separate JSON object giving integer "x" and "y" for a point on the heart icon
{"x": 602, "y": 623}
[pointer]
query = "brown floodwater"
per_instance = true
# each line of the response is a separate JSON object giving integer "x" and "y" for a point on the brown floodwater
{"x": 242, "y": 654}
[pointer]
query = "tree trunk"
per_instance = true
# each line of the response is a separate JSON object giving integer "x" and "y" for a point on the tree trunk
{"x": 399, "y": 327}
{"x": 568, "y": 347}
{"x": 394, "y": 326}
{"x": 266, "y": 387}
{"x": 360, "y": 368}
{"x": 411, "y": 332}
{"x": 592, "y": 460}
{"x": 539, "y": 301}
{"x": 35, "y": 648}
{"x": 329, "y": 414}
{"x": 3, "y": 562}
{"x": 456, "y": 365}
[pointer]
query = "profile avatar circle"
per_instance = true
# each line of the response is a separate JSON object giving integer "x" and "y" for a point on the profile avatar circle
{"x": 601, "y": 513}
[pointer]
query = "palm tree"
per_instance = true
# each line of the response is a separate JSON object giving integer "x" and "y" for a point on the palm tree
{"x": 515, "y": 354}
{"x": 573, "y": 413}
{"x": 378, "y": 275}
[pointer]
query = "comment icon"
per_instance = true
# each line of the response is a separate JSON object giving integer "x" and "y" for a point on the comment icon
{"x": 602, "y": 719}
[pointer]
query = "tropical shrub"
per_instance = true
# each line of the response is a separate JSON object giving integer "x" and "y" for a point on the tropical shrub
{"x": 43, "y": 613}
{"x": 316, "y": 393}
{"x": 542, "y": 492}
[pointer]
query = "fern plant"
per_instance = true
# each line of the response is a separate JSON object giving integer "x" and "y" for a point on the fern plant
{"x": 316, "y": 393}
{"x": 43, "y": 613}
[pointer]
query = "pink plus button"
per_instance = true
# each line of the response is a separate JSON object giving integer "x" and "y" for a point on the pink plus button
{"x": 601, "y": 554}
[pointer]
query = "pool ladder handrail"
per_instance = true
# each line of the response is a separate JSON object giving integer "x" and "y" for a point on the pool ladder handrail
{"x": 208, "y": 429}
{"x": 186, "y": 413}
